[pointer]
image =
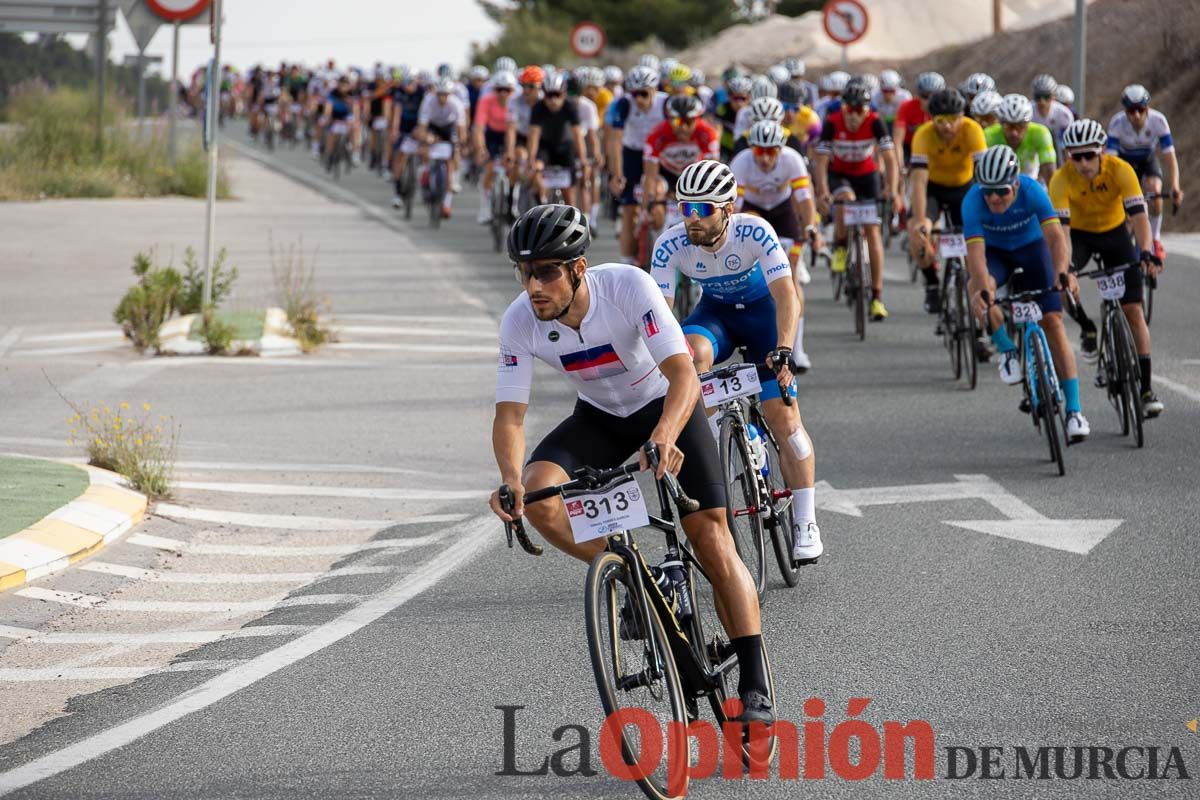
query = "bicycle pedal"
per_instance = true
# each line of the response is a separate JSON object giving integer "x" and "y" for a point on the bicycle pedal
{"x": 1101, "y": 381}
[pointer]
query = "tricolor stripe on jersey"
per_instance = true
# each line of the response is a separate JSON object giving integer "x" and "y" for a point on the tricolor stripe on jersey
{"x": 594, "y": 363}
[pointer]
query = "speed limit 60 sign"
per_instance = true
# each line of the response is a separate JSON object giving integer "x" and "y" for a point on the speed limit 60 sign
{"x": 587, "y": 39}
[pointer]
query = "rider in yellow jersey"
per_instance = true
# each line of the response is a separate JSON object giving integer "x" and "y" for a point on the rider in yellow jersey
{"x": 1094, "y": 193}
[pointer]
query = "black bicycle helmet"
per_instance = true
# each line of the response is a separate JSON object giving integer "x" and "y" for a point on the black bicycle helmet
{"x": 856, "y": 93}
{"x": 553, "y": 231}
{"x": 947, "y": 101}
{"x": 685, "y": 106}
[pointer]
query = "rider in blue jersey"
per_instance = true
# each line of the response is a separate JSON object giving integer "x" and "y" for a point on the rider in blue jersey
{"x": 749, "y": 302}
{"x": 1009, "y": 223}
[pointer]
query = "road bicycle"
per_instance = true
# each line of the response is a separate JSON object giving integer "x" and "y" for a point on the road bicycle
{"x": 1043, "y": 397}
{"x": 438, "y": 180}
{"x": 1151, "y": 281}
{"x": 1117, "y": 365}
{"x": 502, "y": 205}
{"x": 649, "y": 651}
{"x": 337, "y": 159}
{"x": 759, "y": 500}
{"x": 855, "y": 282}
{"x": 956, "y": 323}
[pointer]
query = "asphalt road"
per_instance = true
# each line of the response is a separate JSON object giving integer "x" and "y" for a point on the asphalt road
{"x": 957, "y": 606}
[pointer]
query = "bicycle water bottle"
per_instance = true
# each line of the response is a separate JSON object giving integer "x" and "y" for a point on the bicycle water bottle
{"x": 663, "y": 580}
{"x": 673, "y": 569}
{"x": 758, "y": 451}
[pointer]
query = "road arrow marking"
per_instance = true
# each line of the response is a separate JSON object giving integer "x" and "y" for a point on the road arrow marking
{"x": 1024, "y": 523}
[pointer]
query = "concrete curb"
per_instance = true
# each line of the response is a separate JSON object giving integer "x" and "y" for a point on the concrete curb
{"x": 277, "y": 339}
{"x": 105, "y": 512}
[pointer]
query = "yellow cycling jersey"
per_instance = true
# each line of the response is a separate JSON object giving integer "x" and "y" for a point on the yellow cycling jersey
{"x": 806, "y": 119}
{"x": 949, "y": 163}
{"x": 1101, "y": 204}
{"x": 603, "y": 98}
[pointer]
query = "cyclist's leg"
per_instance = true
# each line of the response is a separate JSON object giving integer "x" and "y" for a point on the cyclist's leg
{"x": 1150, "y": 173}
{"x": 711, "y": 344}
{"x": 868, "y": 188}
{"x": 1083, "y": 244}
{"x": 841, "y": 187}
{"x": 632, "y": 170}
{"x": 658, "y": 207}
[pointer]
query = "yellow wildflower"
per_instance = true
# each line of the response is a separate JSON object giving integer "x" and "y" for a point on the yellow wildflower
{"x": 125, "y": 405}
{"x": 145, "y": 406}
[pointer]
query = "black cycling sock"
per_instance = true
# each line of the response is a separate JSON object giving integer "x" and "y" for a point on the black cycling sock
{"x": 1144, "y": 369}
{"x": 931, "y": 276}
{"x": 752, "y": 667}
{"x": 876, "y": 294}
{"x": 1079, "y": 315}
{"x": 398, "y": 183}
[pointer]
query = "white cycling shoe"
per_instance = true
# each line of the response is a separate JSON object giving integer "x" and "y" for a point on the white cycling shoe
{"x": 802, "y": 273}
{"x": 485, "y": 215}
{"x": 1010, "y": 368}
{"x": 1077, "y": 427}
{"x": 808, "y": 547}
{"x": 397, "y": 201}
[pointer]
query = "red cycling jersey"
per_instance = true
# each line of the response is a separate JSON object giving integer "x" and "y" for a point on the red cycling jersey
{"x": 673, "y": 155}
{"x": 913, "y": 116}
{"x": 853, "y": 151}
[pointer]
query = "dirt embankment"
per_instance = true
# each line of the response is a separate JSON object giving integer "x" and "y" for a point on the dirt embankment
{"x": 1152, "y": 42}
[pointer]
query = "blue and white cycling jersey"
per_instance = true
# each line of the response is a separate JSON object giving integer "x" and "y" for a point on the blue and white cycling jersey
{"x": 1135, "y": 145}
{"x": 738, "y": 272}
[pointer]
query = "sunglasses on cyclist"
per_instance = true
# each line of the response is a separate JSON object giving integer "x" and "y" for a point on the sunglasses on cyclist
{"x": 642, "y": 93}
{"x": 1043, "y": 97}
{"x": 528, "y": 86}
{"x": 791, "y": 108}
{"x": 997, "y": 191}
{"x": 764, "y": 151}
{"x": 502, "y": 90}
{"x": 854, "y": 109}
{"x": 545, "y": 273}
{"x": 741, "y": 98}
{"x": 1137, "y": 109}
{"x": 1086, "y": 155}
{"x": 701, "y": 210}
{"x": 947, "y": 119}
{"x": 553, "y": 95}
{"x": 680, "y": 122}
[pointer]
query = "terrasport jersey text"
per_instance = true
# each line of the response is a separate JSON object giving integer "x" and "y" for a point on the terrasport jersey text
{"x": 738, "y": 272}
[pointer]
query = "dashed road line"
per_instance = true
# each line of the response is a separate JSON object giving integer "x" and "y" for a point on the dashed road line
{"x": 171, "y": 576}
{"x": 9, "y": 339}
{"x": 416, "y": 348}
{"x": 92, "y": 601}
{"x": 1186, "y": 391}
{"x": 388, "y": 330}
{"x": 160, "y": 637}
{"x": 112, "y": 673}
{"x": 177, "y": 546}
{"x": 80, "y": 336}
{"x": 67, "y": 351}
{"x": 292, "y": 490}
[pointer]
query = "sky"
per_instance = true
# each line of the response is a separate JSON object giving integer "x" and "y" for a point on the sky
{"x": 354, "y": 32}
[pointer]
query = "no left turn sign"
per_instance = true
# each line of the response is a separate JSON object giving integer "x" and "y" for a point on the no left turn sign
{"x": 177, "y": 10}
{"x": 845, "y": 21}
{"x": 587, "y": 39}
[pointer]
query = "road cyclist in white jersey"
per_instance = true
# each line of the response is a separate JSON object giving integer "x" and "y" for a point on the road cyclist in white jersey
{"x": 773, "y": 183}
{"x": 1048, "y": 111}
{"x": 629, "y": 120}
{"x": 1135, "y": 134}
{"x": 443, "y": 118}
{"x": 749, "y": 302}
{"x": 609, "y": 332}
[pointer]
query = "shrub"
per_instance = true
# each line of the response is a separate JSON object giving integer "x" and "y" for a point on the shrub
{"x": 137, "y": 446}
{"x": 148, "y": 303}
{"x": 295, "y": 293}
{"x": 218, "y": 334}
{"x": 191, "y": 299}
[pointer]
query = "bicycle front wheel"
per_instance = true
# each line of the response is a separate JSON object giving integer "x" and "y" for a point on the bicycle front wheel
{"x": 970, "y": 333}
{"x": 862, "y": 276}
{"x": 634, "y": 673}
{"x": 783, "y": 524}
{"x": 741, "y": 491}
{"x": 1131, "y": 385}
{"x": 1047, "y": 407}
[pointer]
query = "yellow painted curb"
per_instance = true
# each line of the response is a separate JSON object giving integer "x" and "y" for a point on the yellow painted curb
{"x": 104, "y": 512}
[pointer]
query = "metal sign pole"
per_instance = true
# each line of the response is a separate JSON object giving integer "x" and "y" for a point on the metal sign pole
{"x": 214, "y": 97}
{"x": 845, "y": 57}
{"x": 173, "y": 95}
{"x": 101, "y": 57}
{"x": 141, "y": 84}
{"x": 1079, "y": 78}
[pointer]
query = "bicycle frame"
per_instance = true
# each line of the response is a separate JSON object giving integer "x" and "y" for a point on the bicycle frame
{"x": 1034, "y": 335}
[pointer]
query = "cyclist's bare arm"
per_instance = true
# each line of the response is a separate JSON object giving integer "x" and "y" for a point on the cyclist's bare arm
{"x": 534, "y": 141}
{"x": 919, "y": 182}
{"x": 682, "y": 395}
{"x": 891, "y": 165}
{"x": 508, "y": 446}
{"x": 1171, "y": 160}
{"x": 787, "y": 310}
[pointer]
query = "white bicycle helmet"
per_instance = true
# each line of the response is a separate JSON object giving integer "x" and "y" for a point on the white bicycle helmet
{"x": 479, "y": 72}
{"x": 1065, "y": 95}
{"x": 766, "y": 133}
{"x": 779, "y": 74}
{"x": 613, "y": 74}
{"x": 795, "y": 67}
{"x": 930, "y": 82}
{"x": 998, "y": 166}
{"x": 976, "y": 83}
{"x": 986, "y": 104}
{"x": 444, "y": 86}
{"x": 706, "y": 181}
{"x": 554, "y": 82}
{"x": 698, "y": 78}
{"x": 650, "y": 61}
{"x": 1015, "y": 108}
{"x": 834, "y": 82}
{"x": 504, "y": 80}
{"x": 740, "y": 85}
{"x": 641, "y": 77}
{"x": 766, "y": 108}
{"x": 763, "y": 86}
{"x": 1084, "y": 133}
{"x": 889, "y": 79}
{"x": 505, "y": 64}
{"x": 594, "y": 77}
{"x": 1044, "y": 84}
{"x": 1135, "y": 95}
{"x": 870, "y": 81}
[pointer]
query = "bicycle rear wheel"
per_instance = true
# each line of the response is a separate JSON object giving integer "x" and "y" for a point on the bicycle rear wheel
{"x": 633, "y": 673}
{"x": 1131, "y": 385}
{"x": 741, "y": 489}
{"x": 969, "y": 333}
{"x": 949, "y": 319}
{"x": 860, "y": 267}
{"x": 783, "y": 531}
{"x": 437, "y": 192}
{"x": 1047, "y": 406}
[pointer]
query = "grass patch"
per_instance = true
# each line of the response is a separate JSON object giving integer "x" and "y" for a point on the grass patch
{"x": 31, "y": 488}
{"x": 245, "y": 325}
{"x": 296, "y": 294}
{"x": 52, "y": 152}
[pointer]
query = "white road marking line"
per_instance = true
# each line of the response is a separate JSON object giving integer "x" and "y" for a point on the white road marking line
{"x": 174, "y": 545}
{"x": 448, "y": 333}
{"x": 353, "y": 469}
{"x": 161, "y": 637}
{"x": 244, "y": 361}
{"x": 425, "y": 320}
{"x": 114, "y": 335}
{"x": 9, "y": 339}
{"x": 416, "y": 348}
{"x": 67, "y": 351}
{"x": 1186, "y": 391}
{"x": 170, "y": 576}
{"x": 182, "y": 606}
{"x": 283, "y": 521}
{"x": 468, "y": 541}
{"x": 290, "y": 490}
{"x": 111, "y": 673}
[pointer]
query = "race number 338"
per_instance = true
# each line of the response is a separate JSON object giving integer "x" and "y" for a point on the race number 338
{"x": 618, "y": 507}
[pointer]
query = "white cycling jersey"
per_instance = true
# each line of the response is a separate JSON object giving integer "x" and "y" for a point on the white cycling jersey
{"x": 635, "y": 125}
{"x": 742, "y": 122}
{"x": 612, "y": 359}
{"x": 519, "y": 112}
{"x": 885, "y": 110}
{"x": 432, "y": 112}
{"x": 737, "y": 272}
{"x": 1135, "y": 145}
{"x": 789, "y": 178}
{"x": 589, "y": 115}
{"x": 1058, "y": 120}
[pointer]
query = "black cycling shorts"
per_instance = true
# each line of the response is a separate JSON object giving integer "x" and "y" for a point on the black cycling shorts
{"x": 561, "y": 156}
{"x": 949, "y": 198}
{"x": 865, "y": 187}
{"x": 782, "y": 218}
{"x": 1147, "y": 167}
{"x": 1115, "y": 247}
{"x": 591, "y": 437}
{"x": 444, "y": 133}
